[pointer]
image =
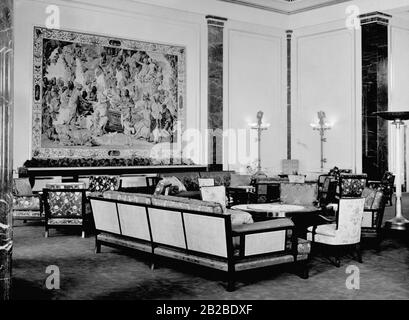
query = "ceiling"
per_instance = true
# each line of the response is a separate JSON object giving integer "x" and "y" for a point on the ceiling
{"x": 286, "y": 6}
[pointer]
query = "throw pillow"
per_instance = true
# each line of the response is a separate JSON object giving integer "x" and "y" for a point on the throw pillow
{"x": 160, "y": 187}
{"x": 174, "y": 182}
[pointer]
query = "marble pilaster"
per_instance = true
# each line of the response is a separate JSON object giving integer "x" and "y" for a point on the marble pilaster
{"x": 215, "y": 90}
{"x": 289, "y": 43}
{"x": 374, "y": 28}
{"x": 6, "y": 143}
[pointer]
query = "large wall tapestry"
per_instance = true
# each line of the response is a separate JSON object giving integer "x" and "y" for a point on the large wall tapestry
{"x": 95, "y": 95}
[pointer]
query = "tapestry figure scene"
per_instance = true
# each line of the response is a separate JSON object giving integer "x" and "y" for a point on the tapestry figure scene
{"x": 97, "y": 96}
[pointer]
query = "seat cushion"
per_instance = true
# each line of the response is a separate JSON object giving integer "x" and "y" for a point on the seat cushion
{"x": 325, "y": 229}
{"x": 23, "y": 214}
{"x": 29, "y": 203}
{"x": 64, "y": 221}
{"x": 325, "y": 239}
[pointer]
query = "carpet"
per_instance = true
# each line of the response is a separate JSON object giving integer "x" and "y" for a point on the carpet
{"x": 120, "y": 274}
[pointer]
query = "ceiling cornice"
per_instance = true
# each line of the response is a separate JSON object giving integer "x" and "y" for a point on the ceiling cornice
{"x": 286, "y": 6}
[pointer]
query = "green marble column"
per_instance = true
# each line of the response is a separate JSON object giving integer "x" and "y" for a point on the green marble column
{"x": 215, "y": 90}
{"x": 375, "y": 58}
{"x": 6, "y": 145}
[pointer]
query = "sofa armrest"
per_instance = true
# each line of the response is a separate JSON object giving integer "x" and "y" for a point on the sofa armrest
{"x": 262, "y": 226}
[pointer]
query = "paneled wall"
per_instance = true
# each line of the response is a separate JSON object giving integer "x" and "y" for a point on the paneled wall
{"x": 326, "y": 67}
{"x": 256, "y": 82}
{"x": 398, "y": 87}
{"x": 148, "y": 25}
{"x": 326, "y": 73}
{"x": 255, "y": 69}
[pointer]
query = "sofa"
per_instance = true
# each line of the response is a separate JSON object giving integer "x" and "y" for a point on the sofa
{"x": 197, "y": 232}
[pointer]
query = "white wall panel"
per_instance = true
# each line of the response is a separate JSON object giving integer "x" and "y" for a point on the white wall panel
{"x": 325, "y": 78}
{"x": 398, "y": 88}
{"x": 256, "y": 82}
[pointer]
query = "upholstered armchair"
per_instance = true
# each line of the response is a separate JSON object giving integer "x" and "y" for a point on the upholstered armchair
{"x": 386, "y": 185}
{"x": 26, "y": 204}
{"x": 373, "y": 214}
{"x": 65, "y": 206}
{"x": 344, "y": 231}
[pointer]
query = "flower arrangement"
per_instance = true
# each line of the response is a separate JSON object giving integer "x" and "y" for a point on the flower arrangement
{"x": 109, "y": 162}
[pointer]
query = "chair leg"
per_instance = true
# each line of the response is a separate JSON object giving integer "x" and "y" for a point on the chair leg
{"x": 358, "y": 252}
{"x": 83, "y": 234}
{"x": 97, "y": 247}
{"x": 46, "y": 231}
{"x": 153, "y": 261}
{"x": 378, "y": 239}
{"x": 337, "y": 261}
{"x": 302, "y": 269}
{"x": 231, "y": 282}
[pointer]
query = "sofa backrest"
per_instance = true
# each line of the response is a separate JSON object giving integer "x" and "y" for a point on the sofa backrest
{"x": 164, "y": 223}
{"x": 186, "y": 204}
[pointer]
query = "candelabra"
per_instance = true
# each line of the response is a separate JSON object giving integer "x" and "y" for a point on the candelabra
{"x": 399, "y": 222}
{"x": 259, "y": 126}
{"x": 321, "y": 126}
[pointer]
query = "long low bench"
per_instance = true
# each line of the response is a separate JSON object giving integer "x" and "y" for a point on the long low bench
{"x": 197, "y": 232}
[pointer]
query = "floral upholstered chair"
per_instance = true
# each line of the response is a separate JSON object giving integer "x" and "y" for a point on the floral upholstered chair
{"x": 65, "y": 206}
{"x": 373, "y": 214}
{"x": 386, "y": 185}
{"x": 26, "y": 204}
{"x": 345, "y": 231}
